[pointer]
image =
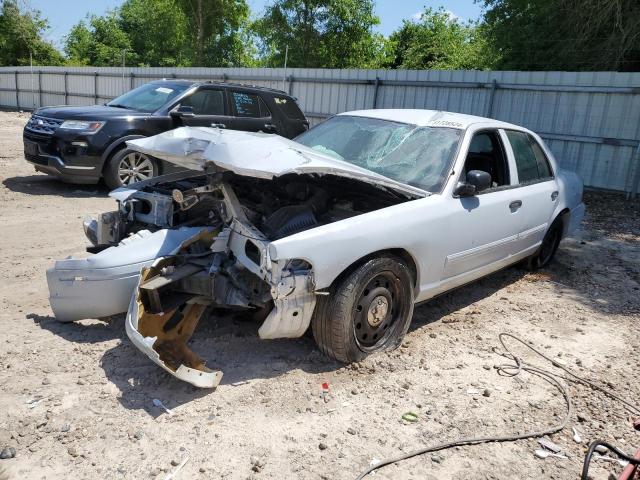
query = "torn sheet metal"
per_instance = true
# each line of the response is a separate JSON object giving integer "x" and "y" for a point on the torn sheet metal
{"x": 163, "y": 335}
{"x": 252, "y": 154}
{"x": 101, "y": 285}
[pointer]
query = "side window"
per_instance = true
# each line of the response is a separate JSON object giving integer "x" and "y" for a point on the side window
{"x": 206, "y": 102}
{"x": 486, "y": 154}
{"x": 245, "y": 104}
{"x": 531, "y": 162}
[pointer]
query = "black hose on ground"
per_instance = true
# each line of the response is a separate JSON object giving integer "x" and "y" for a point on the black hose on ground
{"x": 512, "y": 370}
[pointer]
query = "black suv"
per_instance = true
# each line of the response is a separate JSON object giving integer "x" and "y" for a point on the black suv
{"x": 83, "y": 144}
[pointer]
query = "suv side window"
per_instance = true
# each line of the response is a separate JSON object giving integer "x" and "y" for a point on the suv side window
{"x": 206, "y": 102}
{"x": 531, "y": 162}
{"x": 245, "y": 104}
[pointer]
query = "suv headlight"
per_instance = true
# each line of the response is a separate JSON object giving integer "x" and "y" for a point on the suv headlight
{"x": 85, "y": 126}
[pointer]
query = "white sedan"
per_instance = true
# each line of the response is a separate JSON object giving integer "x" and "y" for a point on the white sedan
{"x": 343, "y": 229}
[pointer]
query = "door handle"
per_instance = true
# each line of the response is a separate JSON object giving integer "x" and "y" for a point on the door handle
{"x": 515, "y": 205}
{"x": 554, "y": 195}
{"x": 218, "y": 125}
{"x": 269, "y": 126}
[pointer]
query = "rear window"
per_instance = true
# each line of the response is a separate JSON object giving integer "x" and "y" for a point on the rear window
{"x": 289, "y": 107}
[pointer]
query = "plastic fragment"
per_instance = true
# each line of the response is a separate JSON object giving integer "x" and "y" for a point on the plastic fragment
{"x": 160, "y": 405}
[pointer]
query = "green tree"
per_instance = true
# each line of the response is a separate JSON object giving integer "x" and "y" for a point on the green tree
{"x": 157, "y": 31}
{"x": 565, "y": 34}
{"x": 100, "y": 42}
{"x": 439, "y": 41}
{"x": 320, "y": 33}
{"x": 21, "y": 36}
{"x": 216, "y": 31}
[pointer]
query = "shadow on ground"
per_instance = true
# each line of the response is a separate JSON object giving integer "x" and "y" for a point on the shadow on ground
{"x": 41, "y": 184}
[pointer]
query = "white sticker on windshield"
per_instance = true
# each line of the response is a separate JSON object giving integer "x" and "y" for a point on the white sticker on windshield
{"x": 164, "y": 90}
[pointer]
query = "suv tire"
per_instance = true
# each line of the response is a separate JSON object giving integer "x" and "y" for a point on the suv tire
{"x": 127, "y": 166}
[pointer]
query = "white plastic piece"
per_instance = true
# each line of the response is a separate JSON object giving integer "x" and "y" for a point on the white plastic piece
{"x": 540, "y": 453}
{"x": 160, "y": 405}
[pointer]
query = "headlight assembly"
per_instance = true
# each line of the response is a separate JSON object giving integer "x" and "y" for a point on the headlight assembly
{"x": 85, "y": 126}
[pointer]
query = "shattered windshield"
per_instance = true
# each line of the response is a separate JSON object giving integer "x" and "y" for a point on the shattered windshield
{"x": 418, "y": 156}
{"x": 149, "y": 97}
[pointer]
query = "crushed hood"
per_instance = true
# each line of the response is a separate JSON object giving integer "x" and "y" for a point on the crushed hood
{"x": 258, "y": 155}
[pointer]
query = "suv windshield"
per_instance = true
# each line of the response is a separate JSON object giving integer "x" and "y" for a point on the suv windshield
{"x": 149, "y": 97}
{"x": 418, "y": 156}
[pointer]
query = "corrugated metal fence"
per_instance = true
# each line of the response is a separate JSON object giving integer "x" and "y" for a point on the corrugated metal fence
{"x": 590, "y": 120}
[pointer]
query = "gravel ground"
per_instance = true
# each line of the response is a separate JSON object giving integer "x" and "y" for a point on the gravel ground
{"x": 76, "y": 400}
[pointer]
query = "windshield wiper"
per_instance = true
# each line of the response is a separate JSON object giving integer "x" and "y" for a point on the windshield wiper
{"x": 117, "y": 105}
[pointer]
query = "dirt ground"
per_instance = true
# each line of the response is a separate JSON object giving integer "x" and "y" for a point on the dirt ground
{"x": 76, "y": 400}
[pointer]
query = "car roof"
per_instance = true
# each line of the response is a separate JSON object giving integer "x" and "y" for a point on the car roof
{"x": 182, "y": 81}
{"x": 430, "y": 118}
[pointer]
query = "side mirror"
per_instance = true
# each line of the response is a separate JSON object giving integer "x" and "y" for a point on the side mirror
{"x": 183, "y": 111}
{"x": 477, "y": 181}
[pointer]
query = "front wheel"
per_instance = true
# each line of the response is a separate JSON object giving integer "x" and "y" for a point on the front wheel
{"x": 128, "y": 166}
{"x": 548, "y": 247}
{"x": 368, "y": 310}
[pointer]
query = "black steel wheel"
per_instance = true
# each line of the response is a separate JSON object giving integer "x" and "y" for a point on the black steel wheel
{"x": 548, "y": 247}
{"x": 369, "y": 309}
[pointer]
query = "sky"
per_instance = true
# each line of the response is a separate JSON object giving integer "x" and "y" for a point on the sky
{"x": 63, "y": 14}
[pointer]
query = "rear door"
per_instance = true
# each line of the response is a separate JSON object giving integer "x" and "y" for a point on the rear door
{"x": 537, "y": 189}
{"x": 250, "y": 112}
{"x": 209, "y": 107}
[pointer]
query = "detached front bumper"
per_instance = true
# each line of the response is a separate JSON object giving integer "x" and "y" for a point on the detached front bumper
{"x": 165, "y": 338}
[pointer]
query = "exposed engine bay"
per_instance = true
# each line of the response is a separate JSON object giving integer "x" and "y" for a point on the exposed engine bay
{"x": 228, "y": 262}
{"x": 278, "y": 208}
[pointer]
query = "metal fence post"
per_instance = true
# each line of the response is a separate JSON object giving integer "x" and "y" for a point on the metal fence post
{"x": 66, "y": 87}
{"x": 95, "y": 87}
{"x": 290, "y": 79}
{"x": 131, "y": 75}
{"x": 17, "y": 89}
{"x": 492, "y": 94}
{"x": 375, "y": 92}
{"x": 636, "y": 177}
{"x": 39, "y": 88}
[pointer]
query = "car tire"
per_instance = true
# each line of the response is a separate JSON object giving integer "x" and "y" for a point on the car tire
{"x": 548, "y": 248}
{"x": 127, "y": 166}
{"x": 367, "y": 310}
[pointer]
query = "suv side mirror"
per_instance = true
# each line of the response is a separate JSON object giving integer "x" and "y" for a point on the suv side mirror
{"x": 477, "y": 181}
{"x": 182, "y": 111}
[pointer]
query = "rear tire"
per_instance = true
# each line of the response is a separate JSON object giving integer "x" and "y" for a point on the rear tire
{"x": 368, "y": 310}
{"x": 127, "y": 166}
{"x": 548, "y": 248}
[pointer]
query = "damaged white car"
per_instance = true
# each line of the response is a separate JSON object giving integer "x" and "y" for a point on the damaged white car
{"x": 343, "y": 229}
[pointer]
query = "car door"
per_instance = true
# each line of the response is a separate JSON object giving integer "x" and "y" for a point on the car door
{"x": 210, "y": 108}
{"x": 483, "y": 228}
{"x": 250, "y": 112}
{"x": 537, "y": 189}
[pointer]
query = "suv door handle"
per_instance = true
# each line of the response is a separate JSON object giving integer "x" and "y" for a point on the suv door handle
{"x": 270, "y": 126}
{"x": 218, "y": 125}
{"x": 515, "y": 205}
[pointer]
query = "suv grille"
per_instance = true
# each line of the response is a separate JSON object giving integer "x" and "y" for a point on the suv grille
{"x": 43, "y": 125}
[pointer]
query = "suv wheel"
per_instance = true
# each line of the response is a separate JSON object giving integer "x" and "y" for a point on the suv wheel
{"x": 368, "y": 310}
{"x": 128, "y": 166}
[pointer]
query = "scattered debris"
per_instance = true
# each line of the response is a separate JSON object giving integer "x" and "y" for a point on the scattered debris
{"x": 7, "y": 452}
{"x": 576, "y": 435}
{"x": 173, "y": 474}
{"x": 549, "y": 445}
{"x": 540, "y": 453}
{"x": 325, "y": 392}
{"x": 160, "y": 405}
{"x": 410, "y": 417}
